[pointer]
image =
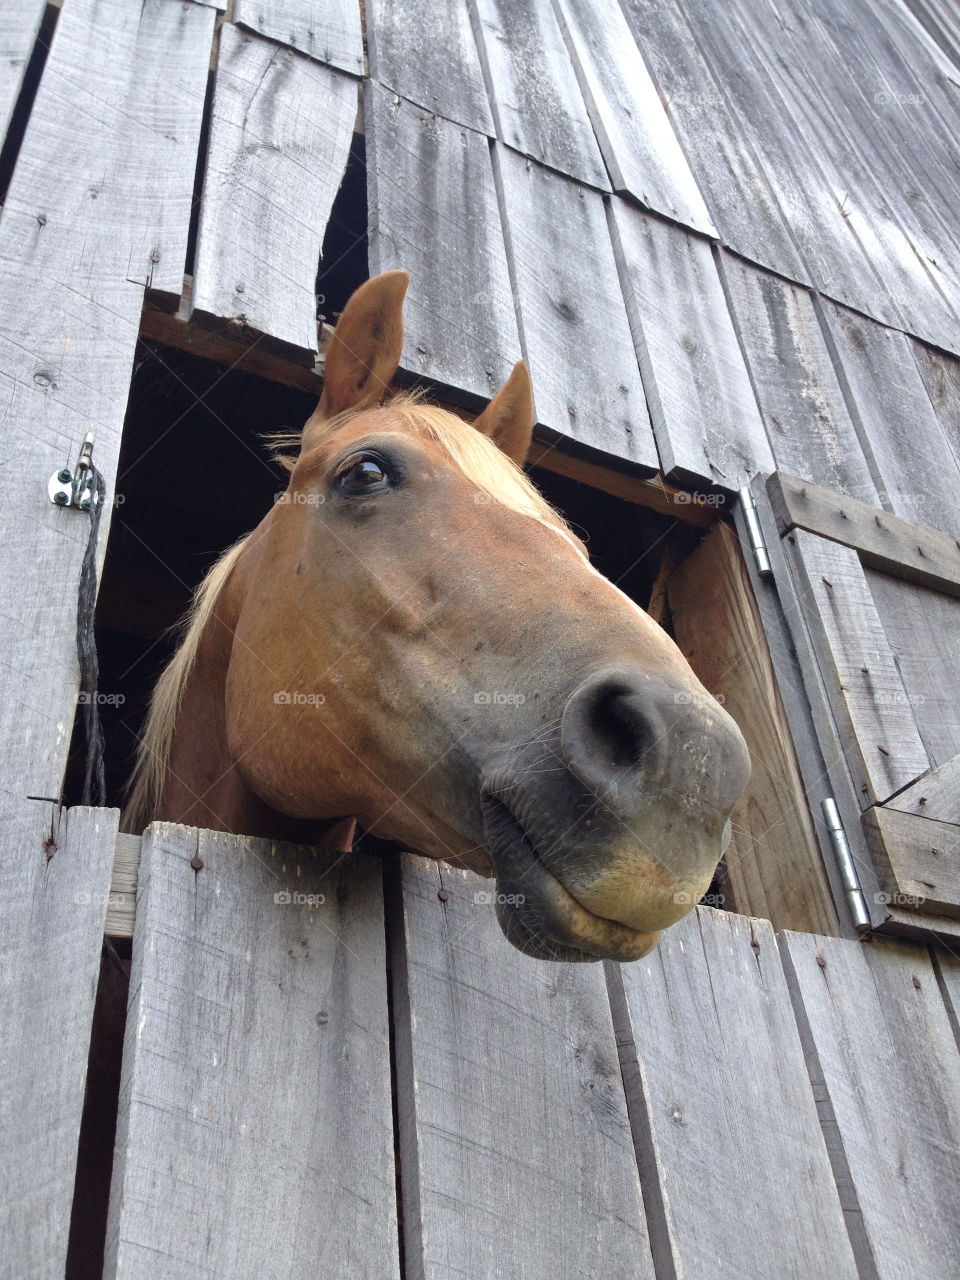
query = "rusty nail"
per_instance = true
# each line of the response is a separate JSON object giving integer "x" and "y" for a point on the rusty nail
{"x": 865, "y": 670}
{"x": 196, "y": 862}
{"x": 916, "y": 982}
{"x": 922, "y": 800}
{"x": 843, "y": 514}
{"x": 883, "y": 749}
{"x": 442, "y": 895}
{"x": 920, "y": 551}
{"x": 877, "y": 519}
{"x": 864, "y": 787}
{"x": 49, "y": 847}
{"x": 791, "y": 539}
{"x": 820, "y": 960}
{"x": 829, "y": 583}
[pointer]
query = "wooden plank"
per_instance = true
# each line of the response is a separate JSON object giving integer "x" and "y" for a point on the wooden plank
{"x": 573, "y": 322}
{"x": 935, "y": 795}
{"x": 702, "y": 408}
{"x": 808, "y": 423}
{"x": 537, "y": 105}
{"x": 731, "y": 1125}
{"x": 885, "y": 1066}
{"x": 886, "y": 542}
{"x": 460, "y": 324}
{"x": 255, "y": 1135}
{"x": 734, "y": 186}
{"x": 918, "y": 860}
{"x": 122, "y": 902}
{"x": 923, "y": 630}
{"x": 19, "y": 27}
{"x": 279, "y": 141}
{"x": 941, "y": 377}
{"x": 773, "y": 860}
{"x": 54, "y": 901}
{"x": 74, "y": 258}
{"x": 640, "y": 149}
{"x": 327, "y": 30}
{"x": 439, "y": 71}
{"x": 870, "y": 704}
{"x": 515, "y": 1145}
{"x": 917, "y": 469}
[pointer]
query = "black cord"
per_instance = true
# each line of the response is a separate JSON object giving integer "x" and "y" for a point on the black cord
{"x": 94, "y": 781}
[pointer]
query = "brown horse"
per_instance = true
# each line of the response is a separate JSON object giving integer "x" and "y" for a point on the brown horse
{"x": 412, "y": 638}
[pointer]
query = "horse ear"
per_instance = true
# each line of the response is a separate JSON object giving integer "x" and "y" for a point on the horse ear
{"x": 365, "y": 348}
{"x": 508, "y": 418}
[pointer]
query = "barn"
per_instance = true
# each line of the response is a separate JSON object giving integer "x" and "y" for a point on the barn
{"x": 724, "y": 238}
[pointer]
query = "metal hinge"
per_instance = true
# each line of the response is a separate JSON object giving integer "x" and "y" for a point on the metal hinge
{"x": 75, "y": 488}
{"x": 845, "y": 864}
{"x": 757, "y": 544}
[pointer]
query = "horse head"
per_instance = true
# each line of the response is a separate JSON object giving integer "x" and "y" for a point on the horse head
{"x": 412, "y": 636}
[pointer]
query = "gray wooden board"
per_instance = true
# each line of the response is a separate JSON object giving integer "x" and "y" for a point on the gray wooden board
{"x": 923, "y": 630}
{"x": 941, "y": 22}
{"x": 641, "y": 150}
{"x": 515, "y": 1145}
{"x": 883, "y": 1059}
{"x": 801, "y": 174}
{"x": 808, "y": 705}
{"x": 918, "y": 860}
{"x": 918, "y": 472}
{"x": 96, "y": 185}
{"x": 460, "y": 324}
{"x": 328, "y": 30}
{"x": 19, "y": 24}
{"x": 573, "y": 320}
{"x": 255, "y": 1134}
{"x": 705, "y": 418}
{"x": 733, "y": 184}
{"x": 809, "y": 426}
{"x": 871, "y": 705}
{"x": 936, "y": 795}
{"x": 732, "y": 1123}
{"x": 425, "y": 51}
{"x": 903, "y": 548}
{"x": 941, "y": 377}
{"x": 534, "y": 94}
{"x": 50, "y": 942}
{"x": 279, "y": 140}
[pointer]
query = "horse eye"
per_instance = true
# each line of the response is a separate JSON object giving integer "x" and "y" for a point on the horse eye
{"x": 363, "y": 475}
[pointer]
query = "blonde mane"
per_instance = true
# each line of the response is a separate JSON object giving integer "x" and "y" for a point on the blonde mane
{"x": 498, "y": 478}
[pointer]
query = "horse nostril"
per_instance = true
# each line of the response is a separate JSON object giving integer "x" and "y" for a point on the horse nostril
{"x": 606, "y": 732}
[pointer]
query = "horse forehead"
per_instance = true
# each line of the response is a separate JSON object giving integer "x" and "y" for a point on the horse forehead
{"x": 376, "y": 421}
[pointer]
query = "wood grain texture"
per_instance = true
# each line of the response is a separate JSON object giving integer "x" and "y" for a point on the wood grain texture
{"x": 923, "y": 631}
{"x": 255, "y": 1132}
{"x": 876, "y": 1034}
{"x": 941, "y": 377}
{"x": 702, "y": 408}
{"x": 918, "y": 860}
{"x": 122, "y": 903}
{"x": 104, "y": 179}
{"x": 919, "y": 475}
{"x": 871, "y": 706}
{"x": 639, "y": 146}
{"x": 328, "y": 30}
{"x": 808, "y": 423}
{"x": 279, "y": 141}
{"x": 536, "y": 101}
{"x": 434, "y": 212}
{"x": 573, "y": 321}
{"x": 884, "y": 542}
{"x": 425, "y": 51}
{"x": 935, "y": 795}
{"x": 515, "y": 1145}
{"x": 774, "y": 862}
{"x": 731, "y": 1122}
{"x": 19, "y": 25}
{"x": 733, "y": 183}
{"x": 53, "y": 913}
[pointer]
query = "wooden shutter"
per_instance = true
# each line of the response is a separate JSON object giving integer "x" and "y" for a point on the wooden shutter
{"x": 871, "y": 605}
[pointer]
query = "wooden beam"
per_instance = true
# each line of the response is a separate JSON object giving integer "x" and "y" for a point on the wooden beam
{"x": 935, "y": 795}
{"x": 918, "y": 860}
{"x": 884, "y": 541}
{"x": 774, "y": 862}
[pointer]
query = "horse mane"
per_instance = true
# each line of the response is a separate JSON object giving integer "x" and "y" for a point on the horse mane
{"x": 471, "y": 452}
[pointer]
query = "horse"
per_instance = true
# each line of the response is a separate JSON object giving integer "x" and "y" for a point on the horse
{"x": 414, "y": 640}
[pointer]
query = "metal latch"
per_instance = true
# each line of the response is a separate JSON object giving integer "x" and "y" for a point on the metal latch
{"x": 75, "y": 488}
{"x": 757, "y": 544}
{"x": 845, "y": 864}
